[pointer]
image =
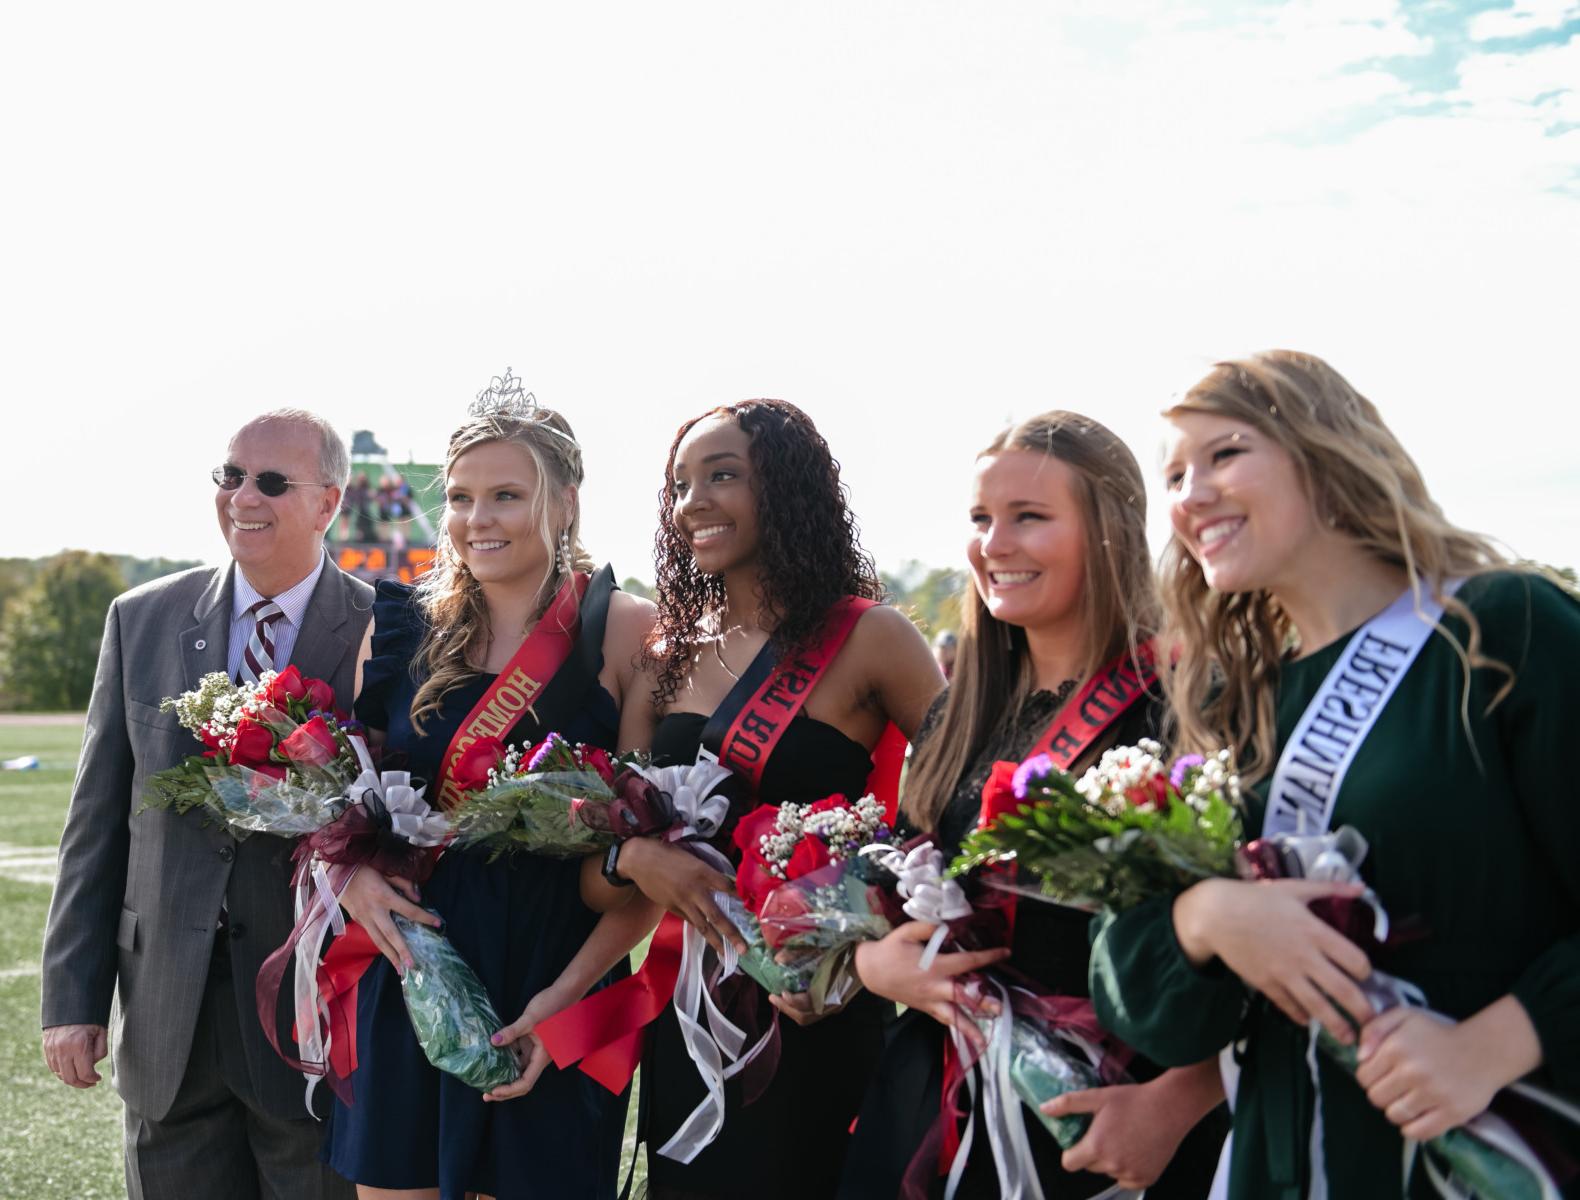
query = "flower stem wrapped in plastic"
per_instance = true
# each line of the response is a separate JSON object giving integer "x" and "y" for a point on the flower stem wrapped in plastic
{"x": 450, "y": 1011}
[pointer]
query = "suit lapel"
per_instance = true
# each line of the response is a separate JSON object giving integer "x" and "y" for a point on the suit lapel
{"x": 205, "y": 646}
{"x": 321, "y": 642}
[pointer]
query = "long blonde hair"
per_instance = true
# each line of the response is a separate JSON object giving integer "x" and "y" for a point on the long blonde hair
{"x": 449, "y": 595}
{"x": 1119, "y": 606}
{"x": 1362, "y": 483}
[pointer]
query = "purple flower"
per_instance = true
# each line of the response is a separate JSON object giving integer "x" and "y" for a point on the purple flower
{"x": 1184, "y": 765}
{"x": 550, "y": 744}
{"x": 1034, "y": 768}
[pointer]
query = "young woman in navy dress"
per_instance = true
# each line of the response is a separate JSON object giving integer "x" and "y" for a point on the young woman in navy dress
{"x": 528, "y": 926}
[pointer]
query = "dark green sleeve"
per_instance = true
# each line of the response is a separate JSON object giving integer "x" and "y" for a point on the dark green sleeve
{"x": 1147, "y": 992}
{"x": 1535, "y": 628}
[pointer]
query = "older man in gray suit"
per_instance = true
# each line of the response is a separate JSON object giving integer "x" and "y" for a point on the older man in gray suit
{"x": 173, "y": 915}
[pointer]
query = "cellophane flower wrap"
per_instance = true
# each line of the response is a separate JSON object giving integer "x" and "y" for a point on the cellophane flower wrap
{"x": 810, "y": 893}
{"x": 558, "y": 799}
{"x": 278, "y": 756}
{"x": 450, "y": 1011}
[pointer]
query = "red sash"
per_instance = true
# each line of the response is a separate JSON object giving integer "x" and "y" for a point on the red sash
{"x": 515, "y": 688}
{"x": 604, "y": 1031}
{"x": 1106, "y": 697}
{"x": 502, "y": 705}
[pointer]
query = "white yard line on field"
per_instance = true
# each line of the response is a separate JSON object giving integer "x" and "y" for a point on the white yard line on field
{"x": 28, "y": 864}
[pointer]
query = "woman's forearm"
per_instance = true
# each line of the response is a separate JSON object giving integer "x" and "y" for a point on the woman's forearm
{"x": 615, "y": 935}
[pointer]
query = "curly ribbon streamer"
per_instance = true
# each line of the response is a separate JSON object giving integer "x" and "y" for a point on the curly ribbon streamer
{"x": 318, "y": 885}
{"x": 717, "y": 1050}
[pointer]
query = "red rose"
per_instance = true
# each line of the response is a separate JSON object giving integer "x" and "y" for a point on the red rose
{"x": 998, "y": 794}
{"x": 753, "y": 827}
{"x": 252, "y": 744}
{"x": 287, "y": 685}
{"x": 320, "y": 695}
{"x": 754, "y": 882}
{"x": 470, "y": 772}
{"x": 783, "y": 915}
{"x": 597, "y": 759}
{"x": 1152, "y": 794}
{"x": 312, "y": 744}
{"x": 810, "y": 854}
{"x": 827, "y": 803}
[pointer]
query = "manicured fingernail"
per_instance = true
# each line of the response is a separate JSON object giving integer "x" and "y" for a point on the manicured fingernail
{"x": 496, "y": 1039}
{"x": 1363, "y": 1053}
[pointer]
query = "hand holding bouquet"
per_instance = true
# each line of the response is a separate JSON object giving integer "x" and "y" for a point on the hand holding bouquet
{"x": 278, "y": 757}
{"x": 450, "y": 1011}
{"x": 811, "y": 893}
{"x": 1131, "y": 829}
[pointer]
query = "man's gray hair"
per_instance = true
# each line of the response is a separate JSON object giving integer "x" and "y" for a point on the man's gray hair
{"x": 334, "y": 462}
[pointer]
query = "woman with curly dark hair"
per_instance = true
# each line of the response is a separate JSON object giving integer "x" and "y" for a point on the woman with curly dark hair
{"x": 757, "y": 554}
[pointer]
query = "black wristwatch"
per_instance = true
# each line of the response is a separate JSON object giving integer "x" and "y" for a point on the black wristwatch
{"x": 611, "y": 866}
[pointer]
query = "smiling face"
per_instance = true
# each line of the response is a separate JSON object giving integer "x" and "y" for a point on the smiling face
{"x": 1028, "y": 551}
{"x": 492, "y": 515}
{"x": 1237, "y": 504}
{"x": 715, "y": 498}
{"x": 276, "y": 540}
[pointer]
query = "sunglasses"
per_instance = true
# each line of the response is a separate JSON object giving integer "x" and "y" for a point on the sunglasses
{"x": 270, "y": 483}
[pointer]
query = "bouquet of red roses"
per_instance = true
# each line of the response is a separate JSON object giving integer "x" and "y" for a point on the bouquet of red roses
{"x": 808, "y": 895}
{"x": 557, "y": 798}
{"x": 279, "y": 756}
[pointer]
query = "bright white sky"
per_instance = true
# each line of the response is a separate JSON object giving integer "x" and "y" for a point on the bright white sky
{"x": 916, "y": 218}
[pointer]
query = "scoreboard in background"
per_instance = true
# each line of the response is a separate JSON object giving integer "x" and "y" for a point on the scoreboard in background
{"x": 374, "y": 560}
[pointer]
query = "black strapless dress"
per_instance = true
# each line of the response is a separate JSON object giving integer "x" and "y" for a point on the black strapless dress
{"x": 791, "y": 1140}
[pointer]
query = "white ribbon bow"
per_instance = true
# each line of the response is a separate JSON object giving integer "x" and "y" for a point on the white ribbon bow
{"x": 929, "y": 896}
{"x": 700, "y": 811}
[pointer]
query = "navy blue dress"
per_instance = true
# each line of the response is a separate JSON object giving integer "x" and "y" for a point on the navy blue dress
{"x": 517, "y": 922}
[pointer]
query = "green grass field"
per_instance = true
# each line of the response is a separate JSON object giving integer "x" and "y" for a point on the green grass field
{"x": 55, "y": 1141}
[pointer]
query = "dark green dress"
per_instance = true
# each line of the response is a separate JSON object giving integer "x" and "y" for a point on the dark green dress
{"x": 1476, "y": 832}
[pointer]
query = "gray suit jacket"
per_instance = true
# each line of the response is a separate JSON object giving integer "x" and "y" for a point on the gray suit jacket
{"x": 135, "y": 906}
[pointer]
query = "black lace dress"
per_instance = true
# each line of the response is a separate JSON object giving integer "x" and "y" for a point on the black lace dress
{"x": 791, "y": 1140}
{"x": 1051, "y": 946}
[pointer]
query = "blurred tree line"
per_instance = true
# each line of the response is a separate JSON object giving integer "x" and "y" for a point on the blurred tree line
{"x": 930, "y": 596}
{"x": 52, "y": 617}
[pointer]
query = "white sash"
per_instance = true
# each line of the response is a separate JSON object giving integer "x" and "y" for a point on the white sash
{"x": 1329, "y": 734}
{"x": 1315, "y": 761}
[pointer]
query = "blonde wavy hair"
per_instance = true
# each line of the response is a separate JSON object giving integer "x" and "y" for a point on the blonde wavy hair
{"x": 1362, "y": 483}
{"x": 1119, "y": 604}
{"x": 449, "y": 596}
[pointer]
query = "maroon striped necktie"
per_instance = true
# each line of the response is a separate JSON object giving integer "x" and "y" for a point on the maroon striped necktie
{"x": 258, "y": 657}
